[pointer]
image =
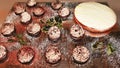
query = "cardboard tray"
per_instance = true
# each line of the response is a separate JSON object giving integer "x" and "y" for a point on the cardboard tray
{"x": 65, "y": 44}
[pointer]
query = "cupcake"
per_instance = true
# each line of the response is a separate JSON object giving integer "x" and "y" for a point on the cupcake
{"x": 19, "y": 8}
{"x": 52, "y": 55}
{"x": 8, "y": 29}
{"x": 25, "y": 55}
{"x": 56, "y": 5}
{"x": 64, "y": 12}
{"x": 25, "y": 18}
{"x": 54, "y": 33}
{"x": 31, "y": 3}
{"x": 33, "y": 29}
{"x": 3, "y": 52}
{"x": 96, "y": 18}
{"x": 81, "y": 54}
{"x": 38, "y": 11}
{"x": 76, "y": 32}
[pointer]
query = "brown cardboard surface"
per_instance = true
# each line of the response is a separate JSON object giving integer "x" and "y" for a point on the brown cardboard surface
{"x": 5, "y": 6}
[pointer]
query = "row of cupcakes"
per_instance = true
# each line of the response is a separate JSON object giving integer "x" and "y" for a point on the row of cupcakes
{"x": 52, "y": 54}
{"x": 38, "y": 10}
{"x": 34, "y": 29}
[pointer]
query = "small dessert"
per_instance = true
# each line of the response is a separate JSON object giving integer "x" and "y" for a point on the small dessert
{"x": 19, "y": 8}
{"x": 25, "y": 55}
{"x": 95, "y": 17}
{"x": 54, "y": 33}
{"x": 81, "y": 54}
{"x": 25, "y": 18}
{"x": 56, "y": 5}
{"x": 64, "y": 12}
{"x": 76, "y": 32}
{"x": 33, "y": 29}
{"x": 8, "y": 29}
{"x": 53, "y": 55}
{"x": 3, "y": 52}
{"x": 31, "y": 3}
{"x": 38, "y": 11}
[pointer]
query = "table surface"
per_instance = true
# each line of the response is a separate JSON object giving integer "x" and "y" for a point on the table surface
{"x": 5, "y": 6}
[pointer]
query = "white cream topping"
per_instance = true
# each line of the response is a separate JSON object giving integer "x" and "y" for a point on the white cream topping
{"x": 34, "y": 28}
{"x": 25, "y": 56}
{"x": 25, "y": 17}
{"x": 54, "y": 32}
{"x": 64, "y": 12}
{"x": 76, "y": 31}
{"x": 2, "y": 51}
{"x": 31, "y": 2}
{"x": 81, "y": 54}
{"x": 7, "y": 29}
{"x": 53, "y": 55}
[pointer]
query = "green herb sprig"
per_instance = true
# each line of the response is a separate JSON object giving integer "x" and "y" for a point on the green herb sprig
{"x": 55, "y": 21}
{"x": 19, "y": 38}
{"x": 110, "y": 49}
